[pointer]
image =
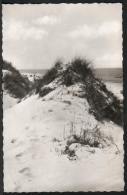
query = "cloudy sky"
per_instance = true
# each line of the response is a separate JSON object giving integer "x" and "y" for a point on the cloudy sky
{"x": 34, "y": 36}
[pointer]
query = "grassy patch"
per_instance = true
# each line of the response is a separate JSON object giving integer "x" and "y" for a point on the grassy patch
{"x": 14, "y": 82}
{"x": 44, "y": 91}
{"x": 104, "y": 105}
{"x": 90, "y": 139}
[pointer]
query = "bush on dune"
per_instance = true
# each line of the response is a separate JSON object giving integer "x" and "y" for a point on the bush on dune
{"x": 8, "y": 66}
{"x": 91, "y": 137}
{"x": 77, "y": 71}
{"x": 87, "y": 138}
{"x": 50, "y": 75}
{"x": 104, "y": 105}
{"x": 82, "y": 67}
{"x": 15, "y": 84}
{"x": 44, "y": 91}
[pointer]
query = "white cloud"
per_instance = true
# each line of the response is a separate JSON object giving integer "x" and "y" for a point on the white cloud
{"x": 90, "y": 30}
{"x": 82, "y": 31}
{"x": 17, "y": 31}
{"x": 46, "y": 20}
{"x": 95, "y": 31}
{"x": 110, "y": 59}
{"x": 110, "y": 28}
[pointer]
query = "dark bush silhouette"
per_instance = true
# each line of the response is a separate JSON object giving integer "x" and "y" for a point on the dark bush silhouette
{"x": 82, "y": 67}
{"x": 58, "y": 64}
{"x": 87, "y": 137}
{"x": 8, "y": 66}
{"x": 49, "y": 76}
{"x": 92, "y": 138}
{"x": 77, "y": 71}
{"x": 14, "y": 83}
{"x": 103, "y": 103}
{"x": 44, "y": 91}
{"x": 68, "y": 78}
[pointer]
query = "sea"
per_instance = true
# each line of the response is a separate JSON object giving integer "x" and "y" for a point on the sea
{"x": 106, "y": 74}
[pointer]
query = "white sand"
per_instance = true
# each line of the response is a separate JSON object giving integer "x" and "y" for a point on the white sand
{"x": 8, "y": 101}
{"x": 31, "y": 163}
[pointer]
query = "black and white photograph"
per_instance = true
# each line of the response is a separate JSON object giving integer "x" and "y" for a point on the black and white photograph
{"x": 62, "y": 97}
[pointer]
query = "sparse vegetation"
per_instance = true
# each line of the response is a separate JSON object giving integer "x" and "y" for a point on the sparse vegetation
{"x": 82, "y": 67}
{"x": 8, "y": 66}
{"x": 92, "y": 138}
{"x": 44, "y": 91}
{"x": 104, "y": 105}
{"x": 49, "y": 76}
{"x": 14, "y": 82}
{"x": 77, "y": 71}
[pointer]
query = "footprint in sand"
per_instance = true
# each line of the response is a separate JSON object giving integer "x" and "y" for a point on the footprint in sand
{"x": 33, "y": 117}
{"x": 50, "y": 110}
{"x": 17, "y": 188}
{"x": 34, "y": 139}
{"x": 13, "y": 141}
{"x": 26, "y": 171}
{"x": 43, "y": 136}
{"x": 27, "y": 127}
{"x": 19, "y": 155}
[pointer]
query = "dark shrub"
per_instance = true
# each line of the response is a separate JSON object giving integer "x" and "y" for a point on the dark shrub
{"x": 82, "y": 67}
{"x": 44, "y": 91}
{"x": 58, "y": 64}
{"x": 50, "y": 75}
{"x": 68, "y": 78}
{"x": 88, "y": 137}
{"x": 14, "y": 82}
{"x": 8, "y": 66}
{"x": 77, "y": 70}
{"x": 104, "y": 105}
{"x": 16, "y": 86}
{"x": 46, "y": 79}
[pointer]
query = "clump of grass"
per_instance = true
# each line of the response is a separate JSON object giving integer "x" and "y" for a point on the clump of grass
{"x": 44, "y": 91}
{"x": 15, "y": 83}
{"x": 8, "y": 66}
{"x": 55, "y": 139}
{"x": 58, "y": 64}
{"x": 49, "y": 76}
{"x": 71, "y": 154}
{"x": 82, "y": 67}
{"x": 77, "y": 70}
{"x": 68, "y": 78}
{"x": 92, "y": 138}
{"x": 104, "y": 105}
{"x": 46, "y": 79}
